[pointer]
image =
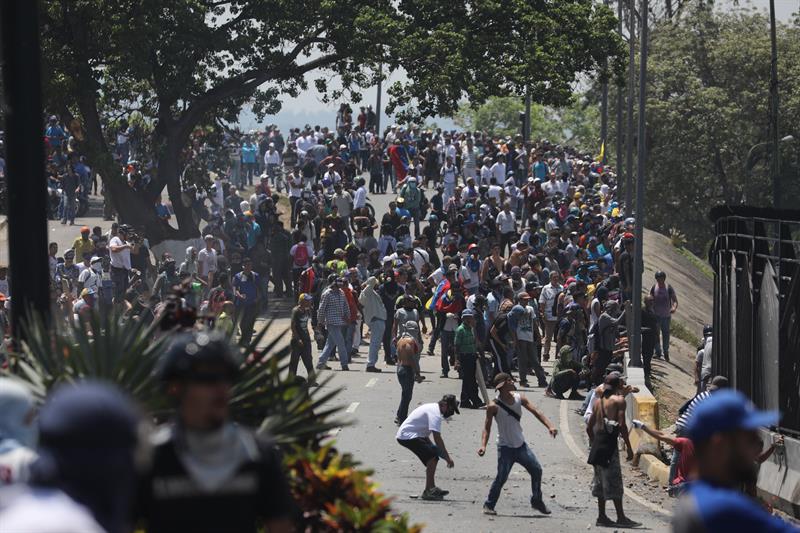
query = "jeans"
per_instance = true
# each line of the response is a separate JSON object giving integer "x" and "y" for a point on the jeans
{"x": 405, "y": 375}
{"x": 437, "y": 330}
{"x": 447, "y": 348}
{"x": 67, "y": 208}
{"x": 247, "y": 323}
{"x": 335, "y": 341}
{"x": 376, "y": 329}
{"x": 302, "y": 352}
{"x": 469, "y": 384}
{"x": 662, "y": 342}
{"x": 387, "y": 338}
{"x": 506, "y": 457}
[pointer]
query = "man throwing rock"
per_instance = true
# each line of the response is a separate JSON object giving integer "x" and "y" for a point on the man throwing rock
{"x": 415, "y": 434}
{"x": 511, "y": 447}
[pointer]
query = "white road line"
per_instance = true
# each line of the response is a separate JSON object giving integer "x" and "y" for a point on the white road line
{"x": 580, "y": 454}
{"x": 371, "y": 383}
{"x": 352, "y": 408}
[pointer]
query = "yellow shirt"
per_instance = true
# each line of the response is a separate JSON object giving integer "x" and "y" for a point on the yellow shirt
{"x": 82, "y": 247}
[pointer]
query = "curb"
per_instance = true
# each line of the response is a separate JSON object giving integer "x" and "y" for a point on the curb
{"x": 644, "y": 406}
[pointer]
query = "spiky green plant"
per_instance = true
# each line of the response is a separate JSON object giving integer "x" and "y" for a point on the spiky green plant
{"x": 127, "y": 354}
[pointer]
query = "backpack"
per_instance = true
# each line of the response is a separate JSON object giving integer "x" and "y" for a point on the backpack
{"x": 301, "y": 255}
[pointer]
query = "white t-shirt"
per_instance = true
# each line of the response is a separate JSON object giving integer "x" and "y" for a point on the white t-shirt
{"x": 119, "y": 259}
{"x": 44, "y": 510}
{"x": 548, "y": 297}
{"x": 295, "y": 186}
{"x": 499, "y": 172}
{"x": 552, "y": 187}
{"x": 421, "y": 421}
{"x": 486, "y": 175}
{"x": 206, "y": 262}
{"x": 90, "y": 279}
{"x": 420, "y": 257}
{"x": 506, "y": 222}
{"x": 360, "y": 199}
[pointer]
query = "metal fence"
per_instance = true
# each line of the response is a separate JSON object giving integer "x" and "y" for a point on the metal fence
{"x": 756, "y": 260}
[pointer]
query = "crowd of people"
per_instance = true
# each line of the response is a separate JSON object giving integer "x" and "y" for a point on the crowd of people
{"x": 510, "y": 253}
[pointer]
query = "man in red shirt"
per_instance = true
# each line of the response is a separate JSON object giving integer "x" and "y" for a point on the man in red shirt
{"x": 687, "y": 467}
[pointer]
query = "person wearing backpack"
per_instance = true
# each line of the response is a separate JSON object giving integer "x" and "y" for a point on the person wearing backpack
{"x": 301, "y": 253}
{"x": 412, "y": 197}
{"x": 665, "y": 303}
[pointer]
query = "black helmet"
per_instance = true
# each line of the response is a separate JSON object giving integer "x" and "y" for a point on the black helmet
{"x": 707, "y": 331}
{"x": 191, "y": 349}
{"x": 660, "y": 275}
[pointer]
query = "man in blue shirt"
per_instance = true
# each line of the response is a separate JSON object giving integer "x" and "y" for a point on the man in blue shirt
{"x": 246, "y": 287}
{"x": 724, "y": 428}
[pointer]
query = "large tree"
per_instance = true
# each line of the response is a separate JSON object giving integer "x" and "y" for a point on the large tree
{"x": 707, "y": 108}
{"x": 184, "y": 63}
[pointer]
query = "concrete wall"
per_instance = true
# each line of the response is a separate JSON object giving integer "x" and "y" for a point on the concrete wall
{"x": 779, "y": 477}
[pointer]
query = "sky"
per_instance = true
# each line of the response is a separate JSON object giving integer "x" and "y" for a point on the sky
{"x": 308, "y": 107}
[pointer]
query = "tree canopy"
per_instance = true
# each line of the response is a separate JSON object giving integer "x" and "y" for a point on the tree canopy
{"x": 184, "y": 63}
{"x": 707, "y": 106}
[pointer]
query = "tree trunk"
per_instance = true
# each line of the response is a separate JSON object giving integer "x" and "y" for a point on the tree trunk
{"x": 169, "y": 171}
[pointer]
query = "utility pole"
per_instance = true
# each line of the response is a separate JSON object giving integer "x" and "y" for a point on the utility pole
{"x": 604, "y": 109}
{"x": 631, "y": 96}
{"x": 638, "y": 266}
{"x": 526, "y": 135}
{"x": 775, "y": 159}
{"x": 27, "y": 191}
{"x": 378, "y": 108}
{"x": 620, "y": 102}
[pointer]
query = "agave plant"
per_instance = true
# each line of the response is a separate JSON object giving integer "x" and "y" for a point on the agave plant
{"x": 126, "y": 353}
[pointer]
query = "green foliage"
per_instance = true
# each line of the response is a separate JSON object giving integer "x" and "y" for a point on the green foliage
{"x": 576, "y": 124}
{"x": 707, "y": 106}
{"x": 334, "y": 495}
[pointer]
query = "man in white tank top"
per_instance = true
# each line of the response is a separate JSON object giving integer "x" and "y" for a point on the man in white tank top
{"x": 511, "y": 445}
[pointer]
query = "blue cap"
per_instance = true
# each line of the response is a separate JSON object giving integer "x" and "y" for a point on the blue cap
{"x": 466, "y": 313}
{"x": 727, "y": 410}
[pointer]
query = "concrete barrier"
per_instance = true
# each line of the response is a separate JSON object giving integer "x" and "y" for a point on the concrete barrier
{"x": 779, "y": 476}
{"x": 643, "y": 406}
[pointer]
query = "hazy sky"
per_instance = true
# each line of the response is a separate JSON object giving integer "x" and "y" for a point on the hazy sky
{"x": 308, "y": 107}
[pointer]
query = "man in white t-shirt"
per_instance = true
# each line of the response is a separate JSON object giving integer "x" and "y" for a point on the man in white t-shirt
{"x": 120, "y": 256}
{"x": 547, "y": 304}
{"x": 207, "y": 261}
{"x": 499, "y": 170}
{"x": 89, "y": 278}
{"x": 415, "y": 434}
{"x": 506, "y": 226}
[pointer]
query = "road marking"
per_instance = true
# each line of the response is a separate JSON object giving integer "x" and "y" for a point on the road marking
{"x": 352, "y": 408}
{"x": 580, "y": 454}
{"x": 371, "y": 383}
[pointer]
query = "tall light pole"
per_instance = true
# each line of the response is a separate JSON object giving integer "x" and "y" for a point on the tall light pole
{"x": 27, "y": 192}
{"x": 620, "y": 101}
{"x": 631, "y": 96}
{"x": 638, "y": 266}
{"x": 604, "y": 109}
{"x": 378, "y": 108}
{"x": 775, "y": 158}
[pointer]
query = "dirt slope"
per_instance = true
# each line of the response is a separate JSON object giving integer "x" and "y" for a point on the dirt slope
{"x": 694, "y": 289}
{"x": 674, "y": 381}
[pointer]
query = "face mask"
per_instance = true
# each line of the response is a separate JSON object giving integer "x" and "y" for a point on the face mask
{"x": 97, "y": 267}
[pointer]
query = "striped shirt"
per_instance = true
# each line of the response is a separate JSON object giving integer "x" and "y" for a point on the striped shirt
{"x": 680, "y": 425}
{"x": 333, "y": 309}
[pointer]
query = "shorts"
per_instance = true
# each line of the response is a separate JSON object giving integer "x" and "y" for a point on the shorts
{"x": 607, "y": 481}
{"x": 422, "y": 448}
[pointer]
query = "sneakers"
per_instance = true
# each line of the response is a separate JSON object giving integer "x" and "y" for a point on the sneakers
{"x": 373, "y": 369}
{"x": 432, "y": 495}
{"x": 444, "y": 375}
{"x": 345, "y": 368}
{"x": 540, "y": 506}
{"x": 627, "y": 523}
{"x": 524, "y": 384}
{"x": 488, "y": 510}
{"x": 323, "y": 367}
{"x": 443, "y": 492}
{"x": 605, "y": 521}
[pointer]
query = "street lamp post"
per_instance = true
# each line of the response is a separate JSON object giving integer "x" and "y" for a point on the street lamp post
{"x": 774, "y": 163}
{"x": 631, "y": 96}
{"x": 638, "y": 266}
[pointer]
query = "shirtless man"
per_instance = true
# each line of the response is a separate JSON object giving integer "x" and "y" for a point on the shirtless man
{"x": 519, "y": 256}
{"x": 408, "y": 350}
{"x": 609, "y": 411}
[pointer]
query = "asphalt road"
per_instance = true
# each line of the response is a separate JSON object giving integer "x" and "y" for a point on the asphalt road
{"x": 369, "y": 403}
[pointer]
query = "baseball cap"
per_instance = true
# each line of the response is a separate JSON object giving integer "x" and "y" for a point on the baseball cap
{"x": 451, "y": 401}
{"x": 500, "y": 380}
{"x": 466, "y": 313}
{"x": 452, "y": 268}
{"x": 85, "y": 229}
{"x": 724, "y": 411}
